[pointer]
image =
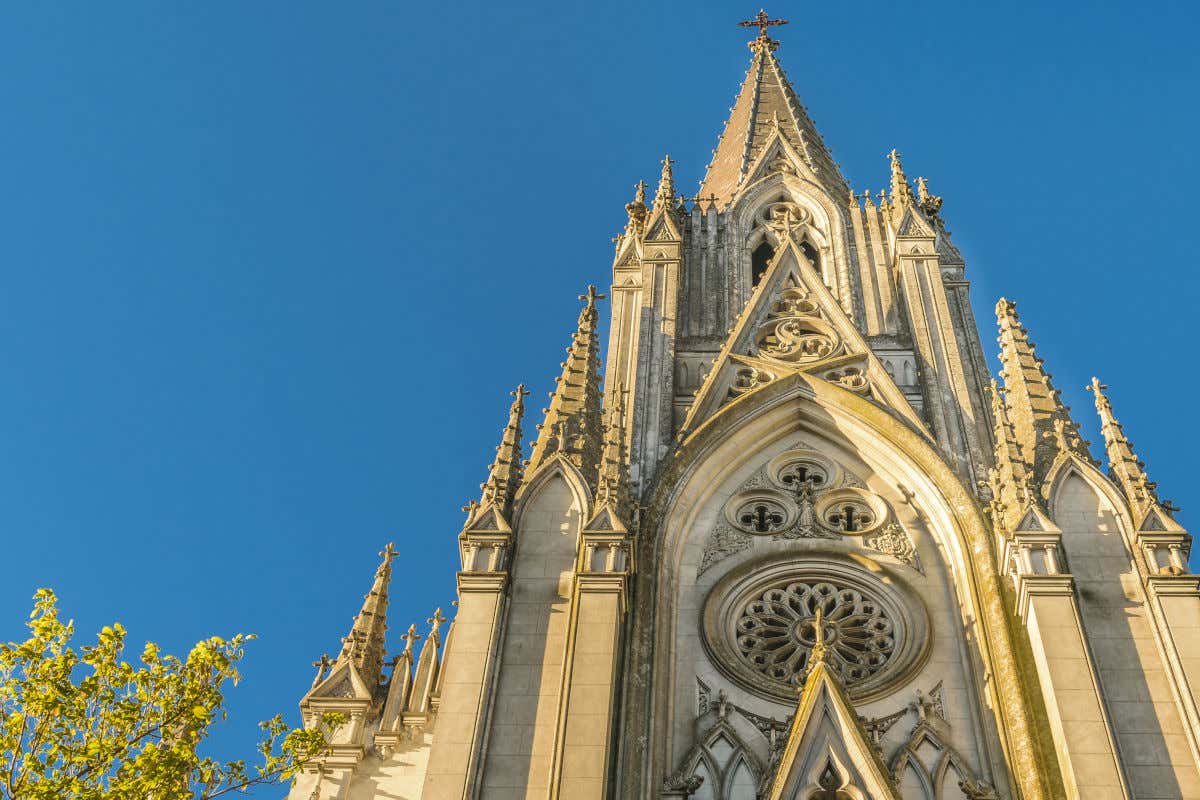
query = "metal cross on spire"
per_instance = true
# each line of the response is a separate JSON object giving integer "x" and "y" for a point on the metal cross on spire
{"x": 762, "y": 21}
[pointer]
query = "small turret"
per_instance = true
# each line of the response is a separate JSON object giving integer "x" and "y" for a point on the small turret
{"x": 572, "y": 422}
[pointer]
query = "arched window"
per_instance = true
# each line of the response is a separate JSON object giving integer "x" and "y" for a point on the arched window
{"x": 760, "y": 259}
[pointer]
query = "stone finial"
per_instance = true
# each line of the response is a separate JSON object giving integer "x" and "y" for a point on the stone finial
{"x": 572, "y": 425}
{"x": 410, "y": 638}
{"x": 322, "y": 664}
{"x": 436, "y": 622}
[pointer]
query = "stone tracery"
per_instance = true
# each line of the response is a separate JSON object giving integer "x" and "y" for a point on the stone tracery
{"x": 776, "y": 632}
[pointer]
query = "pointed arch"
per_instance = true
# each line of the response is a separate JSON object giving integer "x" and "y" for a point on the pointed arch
{"x": 726, "y": 762}
{"x": 1070, "y": 464}
{"x": 533, "y": 484}
{"x": 800, "y": 404}
{"x": 828, "y": 230}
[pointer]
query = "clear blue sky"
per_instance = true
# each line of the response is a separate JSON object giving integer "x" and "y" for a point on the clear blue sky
{"x": 269, "y": 270}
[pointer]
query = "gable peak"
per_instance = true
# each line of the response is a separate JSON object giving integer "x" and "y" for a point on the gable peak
{"x": 766, "y": 104}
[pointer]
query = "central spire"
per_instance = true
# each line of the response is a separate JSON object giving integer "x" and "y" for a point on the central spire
{"x": 766, "y": 103}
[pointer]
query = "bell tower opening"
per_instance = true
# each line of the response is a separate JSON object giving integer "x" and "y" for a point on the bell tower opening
{"x": 810, "y": 253}
{"x": 760, "y": 259}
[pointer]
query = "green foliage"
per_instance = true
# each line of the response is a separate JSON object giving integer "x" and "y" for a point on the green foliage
{"x": 86, "y": 724}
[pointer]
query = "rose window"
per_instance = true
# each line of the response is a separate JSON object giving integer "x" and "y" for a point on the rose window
{"x": 775, "y": 632}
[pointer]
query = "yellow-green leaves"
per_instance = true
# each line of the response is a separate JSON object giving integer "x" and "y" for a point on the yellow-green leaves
{"x": 87, "y": 724}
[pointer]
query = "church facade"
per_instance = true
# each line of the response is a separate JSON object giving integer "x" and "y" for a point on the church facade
{"x": 800, "y": 544}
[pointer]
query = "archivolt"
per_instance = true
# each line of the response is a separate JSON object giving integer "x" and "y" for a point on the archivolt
{"x": 802, "y": 403}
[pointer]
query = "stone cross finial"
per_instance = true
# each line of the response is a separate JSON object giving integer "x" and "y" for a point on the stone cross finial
{"x": 410, "y": 638}
{"x": 436, "y": 621}
{"x": 322, "y": 666}
{"x": 388, "y": 553}
{"x": 592, "y": 296}
{"x": 520, "y": 392}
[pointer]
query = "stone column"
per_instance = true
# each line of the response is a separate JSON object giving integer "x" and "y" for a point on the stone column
{"x": 1176, "y": 594}
{"x": 584, "y": 750}
{"x": 1079, "y": 723}
{"x": 468, "y": 669}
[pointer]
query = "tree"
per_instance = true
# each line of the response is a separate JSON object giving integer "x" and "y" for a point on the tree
{"x": 86, "y": 724}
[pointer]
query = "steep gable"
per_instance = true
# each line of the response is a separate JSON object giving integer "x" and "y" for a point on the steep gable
{"x": 792, "y": 323}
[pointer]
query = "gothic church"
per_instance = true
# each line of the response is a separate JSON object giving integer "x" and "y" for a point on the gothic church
{"x": 800, "y": 546}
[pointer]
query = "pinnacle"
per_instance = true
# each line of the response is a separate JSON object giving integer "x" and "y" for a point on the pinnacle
{"x": 504, "y": 475}
{"x": 901, "y": 191}
{"x": 364, "y": 645}
{"x": 1123, "y": 463}
{"x": 1042, "y": 425}
{"x": 664, "y": 197}
{"x": 572, "y": 423}
{"x": 613, "y": 481}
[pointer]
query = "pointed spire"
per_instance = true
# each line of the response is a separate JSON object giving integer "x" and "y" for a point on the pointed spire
{"x": 766, "y": 105}
{"x": 901, "y": 191}
{"x": 364, "y": 646}
{"x": 636, "y": 211}
{"x": 572, "y": 423}
{"x": 613, "y": 483}
{"x": 1042, "y": 425}
{"x": 664, "y": 197}
{"x": 1123, "y": 463}
{"x": 504, "y": 474}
